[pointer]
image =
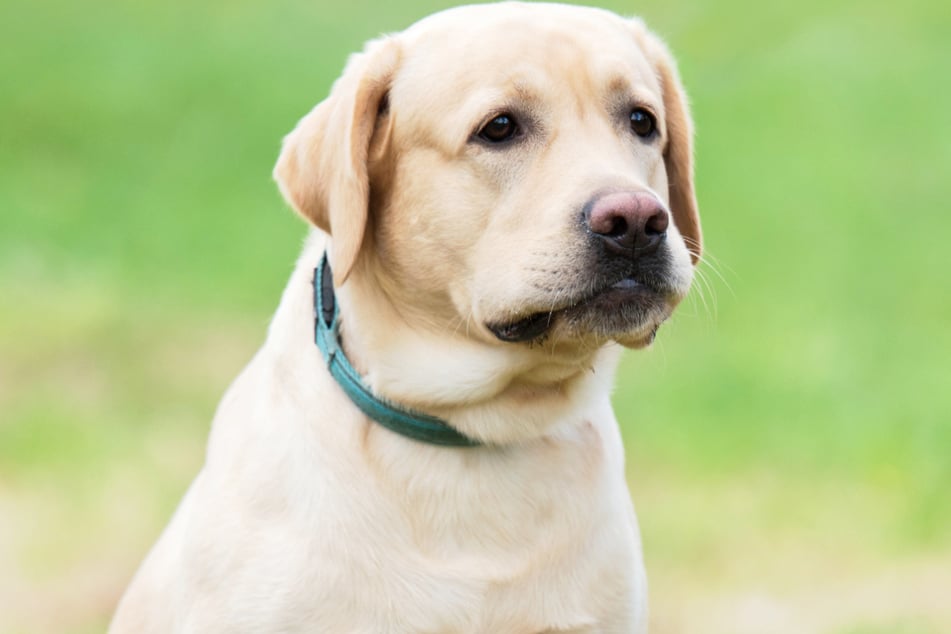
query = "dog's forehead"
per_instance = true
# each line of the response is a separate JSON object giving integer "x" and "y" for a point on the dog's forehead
{"x": 479, "y": 48}
{"x": 479, "y": 18}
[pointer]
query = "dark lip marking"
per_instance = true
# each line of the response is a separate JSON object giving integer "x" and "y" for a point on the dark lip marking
{"x": 526, "y": 329}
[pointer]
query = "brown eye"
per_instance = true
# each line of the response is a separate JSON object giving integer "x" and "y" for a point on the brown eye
{"x": 500, "y": 129}
{"x": 642, "y": 122}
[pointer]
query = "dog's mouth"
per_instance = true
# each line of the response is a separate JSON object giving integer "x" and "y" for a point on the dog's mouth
{"x": 620, "y": 308}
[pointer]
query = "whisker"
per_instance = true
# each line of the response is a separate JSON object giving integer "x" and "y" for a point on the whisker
{"x": 705, "y": 288}
{"x": 714, "y": 264}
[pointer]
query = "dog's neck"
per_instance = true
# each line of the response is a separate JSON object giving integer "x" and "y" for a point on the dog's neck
{"x": 408, "y": 423}
{"x": 492, "y": 392}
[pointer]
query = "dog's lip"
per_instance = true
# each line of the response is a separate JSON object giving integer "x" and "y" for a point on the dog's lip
{"x": 536, "y": 324}
{"x": 526, "y": 329}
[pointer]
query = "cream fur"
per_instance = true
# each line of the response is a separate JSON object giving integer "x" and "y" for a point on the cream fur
{"x": 306, "y": 516}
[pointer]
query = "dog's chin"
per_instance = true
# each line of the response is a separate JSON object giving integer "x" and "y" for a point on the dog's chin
{"x": 627, "y": 312}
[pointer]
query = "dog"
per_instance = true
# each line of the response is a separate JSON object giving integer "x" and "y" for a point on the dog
{"x": 502, "y": 199}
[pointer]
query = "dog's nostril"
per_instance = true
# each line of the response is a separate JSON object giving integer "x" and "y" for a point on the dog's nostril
{"x": 657, "y": 224}
{"x": 619, "y": 227}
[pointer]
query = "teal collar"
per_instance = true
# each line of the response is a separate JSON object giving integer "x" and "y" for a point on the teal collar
{"x": 415, "y": 425}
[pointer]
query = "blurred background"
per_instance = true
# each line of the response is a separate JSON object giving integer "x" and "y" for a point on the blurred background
{"x": 789, "y": 435}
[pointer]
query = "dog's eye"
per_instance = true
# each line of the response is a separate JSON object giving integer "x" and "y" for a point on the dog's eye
{"x": 642, "y": 122}
{"x": 500, "y": 129}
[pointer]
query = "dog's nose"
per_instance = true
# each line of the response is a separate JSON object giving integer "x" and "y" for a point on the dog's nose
{"x": 628, "y": 223}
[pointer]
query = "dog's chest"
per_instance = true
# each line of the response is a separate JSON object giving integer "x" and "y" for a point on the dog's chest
{"x": 487, "y": 544}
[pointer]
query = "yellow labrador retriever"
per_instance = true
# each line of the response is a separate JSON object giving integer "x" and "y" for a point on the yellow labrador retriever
{"x": 504, "y": 194}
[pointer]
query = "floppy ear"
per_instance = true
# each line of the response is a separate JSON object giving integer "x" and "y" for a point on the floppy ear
{"x": 322, "y": 170}
{"x": 678, "y": 154}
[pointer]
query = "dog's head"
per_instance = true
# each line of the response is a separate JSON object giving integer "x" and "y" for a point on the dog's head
{"x": 520, "y": 172}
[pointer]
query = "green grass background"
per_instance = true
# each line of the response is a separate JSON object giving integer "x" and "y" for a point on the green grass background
{"x": 789, "y": 436}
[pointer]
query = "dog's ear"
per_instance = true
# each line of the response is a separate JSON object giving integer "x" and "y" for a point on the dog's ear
{"x": 322, "y": 170}
{"x": 678, "y": 153}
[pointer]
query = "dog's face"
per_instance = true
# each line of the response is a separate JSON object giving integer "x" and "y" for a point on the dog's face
{"x": 521, "y": 172}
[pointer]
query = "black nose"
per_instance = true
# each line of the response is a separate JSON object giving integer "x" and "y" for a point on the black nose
{"x": 631, "y": 223}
